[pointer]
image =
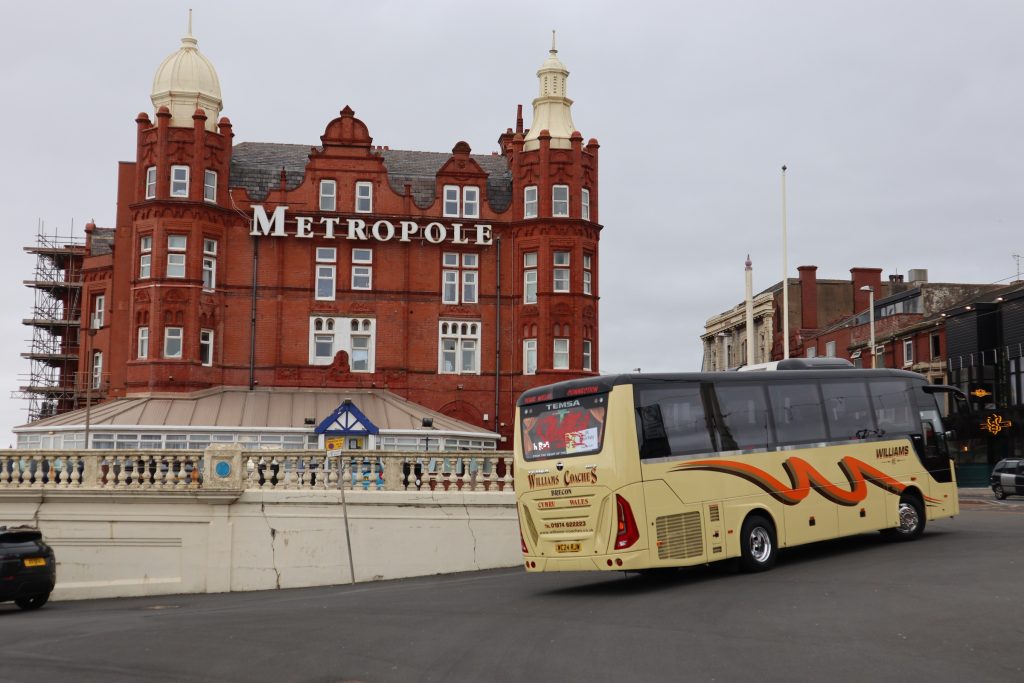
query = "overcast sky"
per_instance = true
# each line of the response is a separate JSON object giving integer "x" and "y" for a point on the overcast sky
{"x": 902, "y": 124}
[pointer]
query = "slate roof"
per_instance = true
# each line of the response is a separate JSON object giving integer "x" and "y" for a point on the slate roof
{"x": 256, "y": 166}
{"x": 101, "y": 242}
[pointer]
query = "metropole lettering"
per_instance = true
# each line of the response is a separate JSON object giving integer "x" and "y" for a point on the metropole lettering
{"x": 336, "y": 227}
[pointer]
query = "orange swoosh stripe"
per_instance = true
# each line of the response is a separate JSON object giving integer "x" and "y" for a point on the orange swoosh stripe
{"x": 803, "y": 478}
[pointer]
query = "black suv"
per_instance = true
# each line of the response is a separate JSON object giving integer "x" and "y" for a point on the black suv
{"x": 1008, "y": 478}
{"x": 28, "y": 570}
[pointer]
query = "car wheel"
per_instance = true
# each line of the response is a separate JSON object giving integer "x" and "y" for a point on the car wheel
{"x": 758, "y": 548}
{"x": 32, "y": 602}
{"x": 911, "y": 519}
{"x": 999, "y": 492}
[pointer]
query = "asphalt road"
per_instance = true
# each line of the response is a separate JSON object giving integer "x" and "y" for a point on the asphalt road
{"x": 949, "y": 607}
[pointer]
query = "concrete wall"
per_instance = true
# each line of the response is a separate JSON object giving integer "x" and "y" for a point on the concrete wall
{"x": 133, "y": 543}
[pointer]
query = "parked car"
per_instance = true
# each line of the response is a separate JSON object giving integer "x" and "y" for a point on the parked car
{"x": 1008, "y": 478}
{"x": 28, "y": 570}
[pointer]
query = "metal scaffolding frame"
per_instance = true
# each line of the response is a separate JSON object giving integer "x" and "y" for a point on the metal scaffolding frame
{"x": 52, "y": 384}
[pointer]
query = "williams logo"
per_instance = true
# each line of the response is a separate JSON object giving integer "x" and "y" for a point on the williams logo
{"x": 892, "y": 452}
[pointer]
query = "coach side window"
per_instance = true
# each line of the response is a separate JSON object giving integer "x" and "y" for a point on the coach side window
{"x": 847, "y": 410}
{"x": 894, "y": 411}
{"x": 744, "y": 421}
{"x": 796, "y": 408}
{"x": 672, "y": 421}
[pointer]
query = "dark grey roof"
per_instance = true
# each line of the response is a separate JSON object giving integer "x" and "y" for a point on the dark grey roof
{"x": 101, "y": 242}
{"x": 256, "y": 166}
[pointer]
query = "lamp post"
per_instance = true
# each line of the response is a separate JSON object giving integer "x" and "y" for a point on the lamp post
{"x": 785, "y": 273}
{"x": 871, "y": 318}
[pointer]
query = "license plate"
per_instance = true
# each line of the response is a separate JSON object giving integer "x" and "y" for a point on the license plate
{"x": 35, "y": 561}
{"x": 568, "y": 547}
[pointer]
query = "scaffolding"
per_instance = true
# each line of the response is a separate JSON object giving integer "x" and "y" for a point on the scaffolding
{"x": 53, "y": 385}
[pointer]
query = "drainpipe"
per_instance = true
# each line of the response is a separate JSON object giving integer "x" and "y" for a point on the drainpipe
{"x": 497, "y": 335}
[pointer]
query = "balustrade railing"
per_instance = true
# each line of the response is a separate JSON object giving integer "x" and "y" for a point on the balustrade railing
{"x": 161, "y": 470}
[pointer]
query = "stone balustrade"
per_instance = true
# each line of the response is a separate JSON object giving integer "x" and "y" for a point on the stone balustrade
{"x": 227, "y": 468}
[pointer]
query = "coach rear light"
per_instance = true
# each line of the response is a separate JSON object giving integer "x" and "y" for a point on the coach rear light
{"x": 627, "y": 533}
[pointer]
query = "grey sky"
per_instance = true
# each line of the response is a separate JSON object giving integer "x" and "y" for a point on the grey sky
{"x": 901, "y": 124}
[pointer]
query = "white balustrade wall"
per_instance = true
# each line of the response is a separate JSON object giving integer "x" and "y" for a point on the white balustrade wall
{"x": 157, "y": 522}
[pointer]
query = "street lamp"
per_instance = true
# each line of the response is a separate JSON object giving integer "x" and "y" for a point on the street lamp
{"x": 871, "y": 318}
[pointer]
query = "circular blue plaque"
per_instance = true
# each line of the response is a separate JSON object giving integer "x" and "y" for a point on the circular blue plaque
{"x": 223, "y": 468}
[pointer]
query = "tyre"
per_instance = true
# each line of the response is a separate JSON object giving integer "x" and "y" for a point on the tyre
{"x": 32, "y": 602}
{"x": 999, "y": 492}
{"x": 758, "y": 547}
{"x": 911, "y": 519}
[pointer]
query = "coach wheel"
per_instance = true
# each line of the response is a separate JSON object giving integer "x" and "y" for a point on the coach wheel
{"x": 911, "y": 519}
{"x": 758, "y": 549}
{"x": 999, "y": 492}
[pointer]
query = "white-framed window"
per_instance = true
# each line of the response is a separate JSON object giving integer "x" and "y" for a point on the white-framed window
{"x": 151, "y": 182}
{"x": 172, "y": 342}
{"x": 935, "y": 345}
{"x": 364, "y": 197}
{"x": 561, "y": 359}
{"x": 470, "y": 277}
{"x": 328, "y": 195}
{"x": 210, "y": 186}
{"x": 459, "y": 279}
{"x": 588, "y": 355}
{"x": 176, "y": 247}
{"x": 530, "y": 201}
{"x": 449, "y": 278}
{"x": 529, "y": 356}
{"x": 585, "y": 205}
{"x": 359, "y": 357}
{"x": 561, "y": 271}
{"x": 142, "y": 343}
{"x": 322, "y": 340}
{"x": 451, "y": 200}
{"x": 908, "y": 351}
{"x": 98, "y": 304}
{"x": 362, "y": 269}
{"x": 588, "y": 277}
{"x": 458, "y": 348}
{"x": 812, "y": 352}
{"x": 179, "y": 181}
{"x": 145, "y": 256}
{"x": 559, "y": 200}
{"x": 209, "y": 264}
{"x": 530, "y": 277}
{"x": 97, "y": 369}
{"x": 206, "y": 347}
{"x": 328, "y": 335}
{"x": 830, "y": 349}
{"x": 471, "y": 202}
{"x": 326, "y": 271}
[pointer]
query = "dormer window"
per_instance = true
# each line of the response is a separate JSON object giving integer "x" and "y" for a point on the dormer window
{"x": 328, "y": 195}
{"x": 462, "y": 201}
{"x": 364, "y": 197}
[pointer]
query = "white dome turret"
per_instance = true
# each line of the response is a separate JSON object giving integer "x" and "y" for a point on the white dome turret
{"x": 187, "y": 81}
{"x": 552, "y": 110}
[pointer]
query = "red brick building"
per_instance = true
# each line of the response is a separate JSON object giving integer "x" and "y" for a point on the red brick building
{"x": 454, "y": 280}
